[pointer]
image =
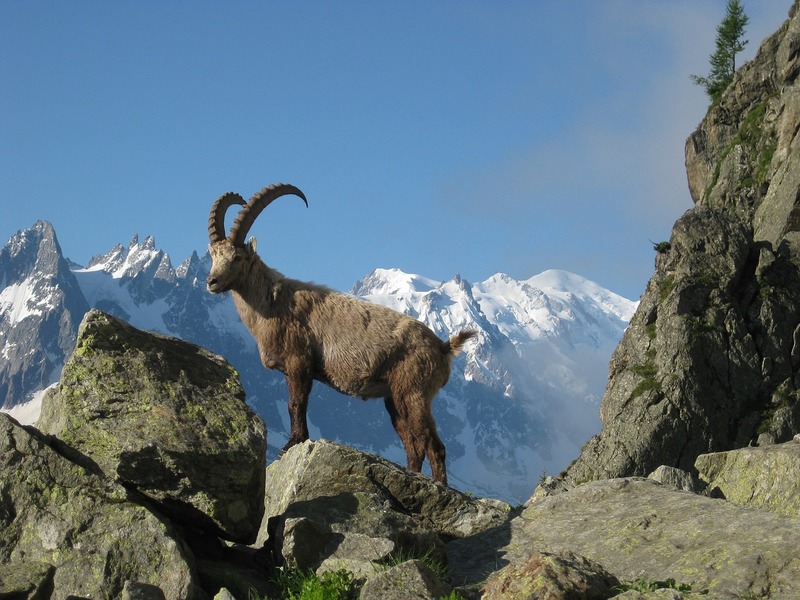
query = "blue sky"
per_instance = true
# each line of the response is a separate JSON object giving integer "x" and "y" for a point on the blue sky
{"x": 440, "y": 138}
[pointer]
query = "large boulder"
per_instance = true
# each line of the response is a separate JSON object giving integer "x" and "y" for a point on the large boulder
{"x": 560, "y": 576}
{"x": 165, "y": 418}
{"x": 329, "y": 506}
{"x": 638, "y": 529}
{"x": 410, "y": 580}
{"x": 65, "y": 531}
{"x": 764, "y": 477}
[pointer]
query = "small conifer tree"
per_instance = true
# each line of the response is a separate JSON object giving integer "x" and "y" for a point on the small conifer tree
{"x": 729, "y": 43}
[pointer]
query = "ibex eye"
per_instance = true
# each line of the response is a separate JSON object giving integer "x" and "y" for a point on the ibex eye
{"x": 237, "y": 257}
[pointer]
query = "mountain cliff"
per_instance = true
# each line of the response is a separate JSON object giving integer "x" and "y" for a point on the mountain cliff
{"x": 522, "y": 399}
{"x": 41, "y": 306}
{"x": 711, "y": 360}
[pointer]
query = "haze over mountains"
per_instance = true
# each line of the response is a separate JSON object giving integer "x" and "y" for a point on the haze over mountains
{"x": 522, "y": 399}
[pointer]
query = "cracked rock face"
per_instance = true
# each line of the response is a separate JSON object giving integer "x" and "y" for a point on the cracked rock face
{"x": 710, "y": 362}
{"x": 65, "y": 530}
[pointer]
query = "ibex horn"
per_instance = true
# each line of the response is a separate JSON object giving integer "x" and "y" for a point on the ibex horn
{"x": 216, "y": 220}
{"x": 258, "y": 203}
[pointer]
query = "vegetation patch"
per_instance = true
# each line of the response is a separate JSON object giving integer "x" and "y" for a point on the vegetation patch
{"x": 297, "y": 584}
{"x": 429, "y": 558}
{"x": 648, "y": 372}
{"x": 661, "y": 247}
{"x": 665, "y": 286}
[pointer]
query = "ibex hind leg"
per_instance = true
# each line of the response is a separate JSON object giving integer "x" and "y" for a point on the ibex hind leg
{"x": 414, "y": 423}
{"x": 415, "y": 451}
{"x": 437, "y": 454}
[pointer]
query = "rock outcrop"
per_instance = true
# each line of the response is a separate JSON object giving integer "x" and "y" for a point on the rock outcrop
{"x": 329, "y": 506}
{"x": 67, "y": 531}
{"x": 763, "y": 477}
{"x": 164, "y": 418}
{"x": 639, "y": 529}
{"x": 711, "y": 359}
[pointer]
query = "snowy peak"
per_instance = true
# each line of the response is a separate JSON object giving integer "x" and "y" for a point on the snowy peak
{"x": 554, "y": 304}
{"x": 137, "y": 259}
{"x": 34, "y": 249}
{"x": 40, "y": 308}
{"x": 387, "y": 282}
{"x": 194, "y": 267}
{"x": 31, "y": 266}
{"x": 549, "y": 305}
{"x": 566, "y": 285}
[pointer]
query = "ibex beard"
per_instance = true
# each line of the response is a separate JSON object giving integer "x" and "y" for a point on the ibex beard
{"x": 310, "y": 332}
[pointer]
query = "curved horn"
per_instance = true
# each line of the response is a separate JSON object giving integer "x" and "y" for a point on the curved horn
{"x": 258, "y": 203}
{"x": 216, "y": 219}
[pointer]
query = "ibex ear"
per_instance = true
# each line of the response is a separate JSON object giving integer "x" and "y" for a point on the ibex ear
{"x": 251, "y": 245}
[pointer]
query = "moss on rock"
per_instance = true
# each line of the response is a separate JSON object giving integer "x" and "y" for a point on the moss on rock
{"x": 165, "y": 417}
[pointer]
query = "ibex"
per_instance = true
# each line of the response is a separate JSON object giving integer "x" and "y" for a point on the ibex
{"x": 310, "y": 332}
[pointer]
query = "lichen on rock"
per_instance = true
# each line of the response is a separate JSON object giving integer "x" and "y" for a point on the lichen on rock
{"x": 165, "y": 418}
{"x": 75, "y": 531}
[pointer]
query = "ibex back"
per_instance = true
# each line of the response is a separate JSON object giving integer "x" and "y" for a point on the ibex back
{"x": 310, "y": 332}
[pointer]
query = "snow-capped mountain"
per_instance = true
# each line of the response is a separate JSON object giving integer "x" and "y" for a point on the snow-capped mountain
{"x": 41, "y": 307}
{"x": 521, "y": 400}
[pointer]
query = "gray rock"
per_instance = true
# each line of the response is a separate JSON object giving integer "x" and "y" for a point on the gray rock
{"x": 559, "y": 576}
{"x": 637, "y": 528}
{"x": 134, "y": 590}
{"x": 330, "y": 506}
{"x": 26, "y": 580}
{"x": 165, "y": 418}
{"x": 410, "y": 580}
{"x": 765, "y": 477}
{"x": 677, "y": 478}
{"x": 77, "y": 531}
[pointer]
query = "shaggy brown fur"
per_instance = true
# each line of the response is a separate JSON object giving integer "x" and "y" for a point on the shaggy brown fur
{"x": 361, "y": 349}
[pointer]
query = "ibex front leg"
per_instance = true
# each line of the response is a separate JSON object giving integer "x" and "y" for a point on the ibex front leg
{"x": 299, "y": 382}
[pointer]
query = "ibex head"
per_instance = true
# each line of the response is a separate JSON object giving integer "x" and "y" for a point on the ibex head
{"x": 231, "y": 257}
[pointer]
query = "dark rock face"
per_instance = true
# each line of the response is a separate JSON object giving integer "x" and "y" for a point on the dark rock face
{"x": 165, "y": 418}
{"x": 711, "y": 360}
